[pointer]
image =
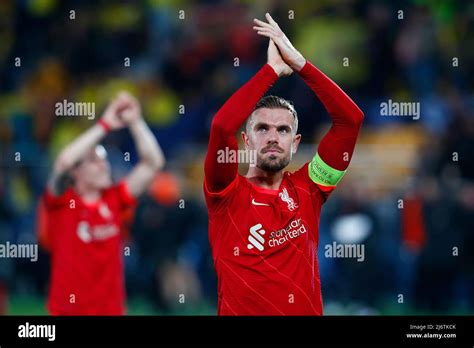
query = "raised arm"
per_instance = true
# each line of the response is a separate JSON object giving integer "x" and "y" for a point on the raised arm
{"x": 233, "y": 114}
{"x": 149, "y": 151}
{"x": 335, "y": 149}
{"x": 337, "y": 145}
{"x": 74, "y": 151}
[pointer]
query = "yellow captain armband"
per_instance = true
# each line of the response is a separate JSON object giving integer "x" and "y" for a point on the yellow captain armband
{"x": 322, "y": 174}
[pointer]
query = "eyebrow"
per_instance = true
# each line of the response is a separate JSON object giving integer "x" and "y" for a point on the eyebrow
{"x": 262, "y": 124}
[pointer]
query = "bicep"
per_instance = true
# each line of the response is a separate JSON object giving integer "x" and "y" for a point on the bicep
{"x": 219, "y": 169}
{"x": 337, "y": 146}
{"x": 322, "y": 176}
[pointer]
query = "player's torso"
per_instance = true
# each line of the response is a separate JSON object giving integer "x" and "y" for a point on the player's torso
{"x": 264, "y": 245}
{"x": 87, "y": 257}
{"x": 86, "y": 229}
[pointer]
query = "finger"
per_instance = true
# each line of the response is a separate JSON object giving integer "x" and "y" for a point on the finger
{"x": 264, "y": 30}
{"x": 123, "y": 95}
{"x": 120, "y": 101}
{"x": 270, "y": 20}
{"x": 261, "y": 28}
{"x": 270, "y": 36}
{"x": 127, "y": 114}
{"x": 262, "y": 23}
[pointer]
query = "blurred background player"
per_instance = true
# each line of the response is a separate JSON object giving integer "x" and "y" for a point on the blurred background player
{"x": 84, "y": 221}
{"x": 263, "y": 227}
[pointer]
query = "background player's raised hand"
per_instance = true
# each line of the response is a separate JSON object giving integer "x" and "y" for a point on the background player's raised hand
{"x": 289, "y": 53}
{"x": 130, "y": 110}
{"x": 275, "y": 60}
{"x": 112, "y": 113}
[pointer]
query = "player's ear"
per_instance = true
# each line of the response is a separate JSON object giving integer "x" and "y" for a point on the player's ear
{"x": 295, "y": 144}
{"x": 245, "y": 139}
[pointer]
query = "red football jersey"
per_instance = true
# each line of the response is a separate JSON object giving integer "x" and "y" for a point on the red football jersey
{"x": 87, "y": 275}
{"x": 264, "y": 244}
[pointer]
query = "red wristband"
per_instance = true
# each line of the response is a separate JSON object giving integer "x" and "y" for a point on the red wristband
{"x": 104, "y": 125}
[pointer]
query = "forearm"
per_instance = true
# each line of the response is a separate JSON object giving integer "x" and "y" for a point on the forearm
{"x": 241, "y": 104}
{"x": 226, "y": 123}
{"x": 149, "y": 151}
{"x": 337, "y": 146}
{"x": 74, "y": 151}
{"x": 339, "y": 105}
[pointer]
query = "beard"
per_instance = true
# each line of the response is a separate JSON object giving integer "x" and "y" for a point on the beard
{"x": 272, "y": 163}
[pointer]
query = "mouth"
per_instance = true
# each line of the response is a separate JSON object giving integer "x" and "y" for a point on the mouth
{"x": 272, "y": 150}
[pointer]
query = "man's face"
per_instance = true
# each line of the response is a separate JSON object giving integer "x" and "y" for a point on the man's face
{"x": 93, "y": 171}
{"x": 271, "y": 133}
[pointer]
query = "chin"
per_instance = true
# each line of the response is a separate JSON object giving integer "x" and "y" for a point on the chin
{"x": 273, "y": 166}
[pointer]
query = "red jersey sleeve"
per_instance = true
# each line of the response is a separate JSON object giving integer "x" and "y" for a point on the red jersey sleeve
{"x": 125, "y": 195}
{"x": 122, "y": 195}
{"x": 302, "y": 177}
{"x": 52, "y": 201}
{"x": 336, "y": 148}
{"x": 226, "y": 122}
{"x": 217, "y": 201}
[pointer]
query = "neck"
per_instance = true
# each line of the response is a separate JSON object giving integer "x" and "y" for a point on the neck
{"x": 264, "y": 179}
{"x": 88, "y": 195}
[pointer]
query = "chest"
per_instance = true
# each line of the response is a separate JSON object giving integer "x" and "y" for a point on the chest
{"x": 266, "y": 224}
{"x": 87, "y": 225}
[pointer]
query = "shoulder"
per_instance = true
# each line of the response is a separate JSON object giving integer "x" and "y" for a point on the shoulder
{"x": 218, "y": 201}
{"x": 300, "y": 174}
{"x": 302, "y": 179}
{"x": 119, "y": 192}
{"x": 53, "y": 201}
{"x": 238, "y": 180}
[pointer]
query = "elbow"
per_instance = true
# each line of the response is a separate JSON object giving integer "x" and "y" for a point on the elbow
{"x": 63, "y": 163}
{"x": 159, "y": 165}
{"x": 359, "y": 117}
{"x": 156, "y": 163}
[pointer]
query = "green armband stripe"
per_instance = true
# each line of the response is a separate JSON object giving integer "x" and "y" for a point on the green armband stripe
{"x": 323, "y": 174}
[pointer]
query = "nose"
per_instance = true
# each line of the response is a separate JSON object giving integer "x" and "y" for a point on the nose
{"x": 272, "y": 136}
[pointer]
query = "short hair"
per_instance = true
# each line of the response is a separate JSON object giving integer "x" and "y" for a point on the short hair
{"x": 274, "y": 102}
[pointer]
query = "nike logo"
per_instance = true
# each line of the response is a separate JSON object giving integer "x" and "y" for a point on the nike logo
{"x": 257, "y": 203}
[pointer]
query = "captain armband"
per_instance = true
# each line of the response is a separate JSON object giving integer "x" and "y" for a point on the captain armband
{"x": 322, "y": 174}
